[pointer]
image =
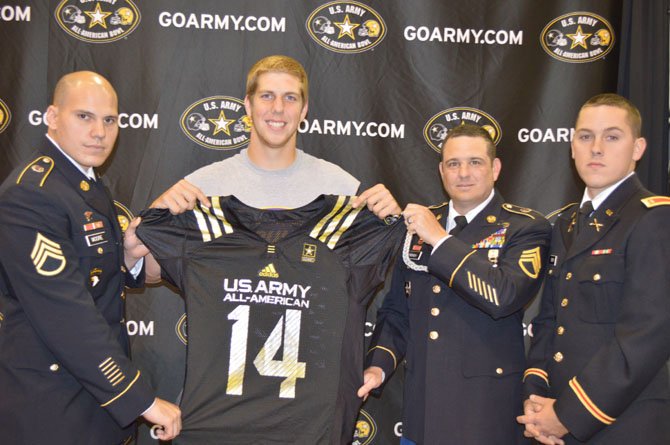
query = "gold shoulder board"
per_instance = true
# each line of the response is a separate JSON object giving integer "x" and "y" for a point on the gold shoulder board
{"x": 37, "y": 171}
{"x": 561, "y": 210}
{"x": 654, "y": 201}
{"x": 438, "y": 206}
{"x": 525, "y": 211}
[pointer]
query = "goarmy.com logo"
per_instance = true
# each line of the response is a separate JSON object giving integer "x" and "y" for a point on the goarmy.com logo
{"x": 578, "y": 37}
{"x": 346, "y": 27}
{"x": 217, "y": 122}
{"x": 100, "y": 21}
{"x": 366, "y": 429}
{"x": 5, "y": 116}
{"x": 439, "y": 125}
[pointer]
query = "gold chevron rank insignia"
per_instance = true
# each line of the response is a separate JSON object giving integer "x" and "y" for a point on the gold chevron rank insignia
{"x": 530, "y": 262}
{"x": 47, "y": 256}
{"x": 269, "y": 271}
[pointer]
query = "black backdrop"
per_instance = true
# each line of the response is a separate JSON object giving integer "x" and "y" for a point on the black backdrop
{"x": 388, "y": 79}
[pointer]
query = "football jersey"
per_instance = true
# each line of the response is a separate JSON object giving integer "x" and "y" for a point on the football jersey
{"x": 276, "y": 303}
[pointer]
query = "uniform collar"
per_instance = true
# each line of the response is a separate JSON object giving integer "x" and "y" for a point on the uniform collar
{"x": 602, "y": 196}
{"x": 468, "y": 216}
{"x": 88, "y": 172}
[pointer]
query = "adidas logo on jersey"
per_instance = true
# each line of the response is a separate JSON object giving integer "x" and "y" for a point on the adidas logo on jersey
{"x": 269, "y": 271}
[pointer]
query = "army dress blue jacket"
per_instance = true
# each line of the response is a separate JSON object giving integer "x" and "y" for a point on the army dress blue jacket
{"x": 65, "y": 375}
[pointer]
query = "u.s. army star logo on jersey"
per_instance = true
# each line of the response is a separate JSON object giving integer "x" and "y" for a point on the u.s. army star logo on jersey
{"x": 47, "y": 256}
{"x": 530, "y": 262}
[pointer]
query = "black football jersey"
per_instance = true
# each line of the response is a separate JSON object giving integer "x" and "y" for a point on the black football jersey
{"x": 276, "y": 303}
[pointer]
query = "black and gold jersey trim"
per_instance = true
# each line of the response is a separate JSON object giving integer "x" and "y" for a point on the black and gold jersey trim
{"x": 331, "y": 227}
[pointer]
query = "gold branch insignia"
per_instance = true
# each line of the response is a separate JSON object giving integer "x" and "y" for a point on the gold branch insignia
{"x": 530, "y": 262}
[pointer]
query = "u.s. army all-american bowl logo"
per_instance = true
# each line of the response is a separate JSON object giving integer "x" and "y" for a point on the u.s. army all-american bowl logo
{"x": 98, "y": 21}
{"x": 181, "y": 329}
{"x": 438, "y": 126}
{"x": 578, "y": 37}
{"x": 366, "y": 429}
{"x": 217, "y": 122}
{"x": 124, "y": 215}
{"x": 5, "y": 116}
{"x": 346, "y": 27}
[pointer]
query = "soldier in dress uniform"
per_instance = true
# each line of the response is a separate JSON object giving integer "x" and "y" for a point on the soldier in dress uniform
{"x": 597, "y": 364}
{"x": 65, "y": 375}
{"x": 455, "y": 307}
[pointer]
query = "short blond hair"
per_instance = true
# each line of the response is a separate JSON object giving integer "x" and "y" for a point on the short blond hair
{"x": 614, "y": 100}
{"x": 278, "y": 64}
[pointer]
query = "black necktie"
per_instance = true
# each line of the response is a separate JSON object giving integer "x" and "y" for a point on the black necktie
{"x": 584, "y": 213}
{"x": 461, "y": 222}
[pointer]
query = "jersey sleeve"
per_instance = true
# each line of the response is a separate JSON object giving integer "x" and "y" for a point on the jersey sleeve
{"x": 373, "y": 244}
{"x": 165, "y": 235}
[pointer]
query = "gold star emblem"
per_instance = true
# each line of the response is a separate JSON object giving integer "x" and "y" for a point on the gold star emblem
{"x": 97, "y": 16}
{"x": 596, "y": 224}
{"x": 579, "y": 38}
{"x": 222, "y": 124}
{"x": 346, "y": 27}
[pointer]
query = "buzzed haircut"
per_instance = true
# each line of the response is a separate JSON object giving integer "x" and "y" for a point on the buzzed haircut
{"x": 614, "y": 100}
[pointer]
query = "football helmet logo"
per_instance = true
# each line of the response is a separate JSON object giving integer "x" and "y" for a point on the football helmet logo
{"x": 438, "y": 132}
{"x": 555, "y": 38}
{"x": 243, "y": 124}
{"x": 602, "y": 37}
{"x": 197, "y": 122}
{"x": 72, "y": 14}
{"x": 322, "y": 25}
{"x": 122, "y": 16}
{"x": 370, "y": 28}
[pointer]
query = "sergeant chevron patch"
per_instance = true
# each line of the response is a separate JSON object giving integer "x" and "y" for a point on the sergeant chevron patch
{"x": 530, "y": 262}
{"x": 47, "y": 256}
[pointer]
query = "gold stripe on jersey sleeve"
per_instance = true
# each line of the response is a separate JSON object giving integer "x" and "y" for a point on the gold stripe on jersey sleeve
{"x": 334, "y": 223}
{"x": 336, "y": 208}
{"x": 348, "y": 221}
{"x": 213, "y": 222}
{"x": 218, "y": 211}
{"x": 202, "y": 224}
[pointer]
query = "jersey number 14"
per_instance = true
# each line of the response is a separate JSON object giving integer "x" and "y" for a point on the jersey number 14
{"x": 288, "y": 367}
